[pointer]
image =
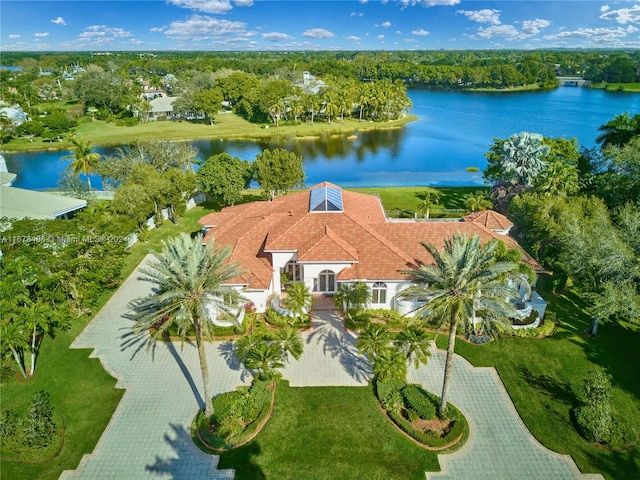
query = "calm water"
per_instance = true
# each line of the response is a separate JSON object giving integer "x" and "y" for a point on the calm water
{"x": 454, "y": 131}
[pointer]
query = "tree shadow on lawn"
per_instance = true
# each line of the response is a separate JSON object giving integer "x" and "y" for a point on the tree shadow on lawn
{"x": 552, "y": 387}
{"x": 241, "y": 459}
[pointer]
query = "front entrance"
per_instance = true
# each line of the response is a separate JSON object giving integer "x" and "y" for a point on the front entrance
{"x": 325, "y": 283}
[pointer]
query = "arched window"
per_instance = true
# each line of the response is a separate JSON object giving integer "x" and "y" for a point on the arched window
{"x": 326, "y": 281}
{"x": 294, "y": 271}
{"x": 379, "y": 293}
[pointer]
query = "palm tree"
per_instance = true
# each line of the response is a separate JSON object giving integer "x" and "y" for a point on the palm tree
{"x": 265, "y": 359}
{"x": 522, "y": 155}
{"x": 431, "y": 199}
{"x": 373, "y": 339}
{"x": 465, "y": 279}
{"x": 477, "y": 201}
{"x": 84, "y": 160}
{"x": 289, "y": 341}
{"x": 298, "y": 299}
{"x": 415, "y": 343}
{"x": 619, "y": 131}
{"x": 37, "y": 318}
{"x": 390, "y": 365}
{"x": 189, "y": 278}
{"x": 351, "y": 296}
{"x": 13, "y": 336}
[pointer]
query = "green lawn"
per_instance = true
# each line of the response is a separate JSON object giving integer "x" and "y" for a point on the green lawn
{"x": 226, "y": 126}
{"x": 329, "y": 433}
{"x": 544, "y": 377}
{"x": 403, "y": 201}
{"x": 618, "y": 87}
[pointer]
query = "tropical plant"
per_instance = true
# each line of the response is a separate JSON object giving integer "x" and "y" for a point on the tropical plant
{"x": 189, "y": 277}
{"x": 351, "y": 297}
{"x": 298, "y": 299}
{"x": 264, "y": 355}
{"x": 522, "y": 155}
{"x": 465, "y": 280}
{"x": 390, "y": 365}
{"x": 415, "y": 343}
{"x": 431, "y": 198}
{"x": 289, "y": 341}
{"x": 373, "y": 339}
{"x": 619, "y": 130}
{"x": 84, "y": 160}
{"x": 477, "y": 201}
{"x": 265, "y": 359}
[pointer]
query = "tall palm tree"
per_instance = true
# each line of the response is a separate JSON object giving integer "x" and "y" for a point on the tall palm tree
{"x": 465, "y": 279}
{"x": 84, "y": 160}
{"x": 37, "y": 317}
{"x": 189, "y": 277}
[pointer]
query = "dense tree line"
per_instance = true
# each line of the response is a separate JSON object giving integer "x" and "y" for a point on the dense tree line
{"x": 577, "y": 211}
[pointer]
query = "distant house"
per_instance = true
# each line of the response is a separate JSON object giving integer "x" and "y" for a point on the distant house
{"x": 19, "y": 203}
{"x": 311, "y": 84}
{"x": 326, "y": 237}
{"x": 162, "y": 107}
{"x": 15, "y": 114}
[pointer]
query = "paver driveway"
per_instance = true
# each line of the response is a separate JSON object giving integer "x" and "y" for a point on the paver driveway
{"x": 148, "y": 434}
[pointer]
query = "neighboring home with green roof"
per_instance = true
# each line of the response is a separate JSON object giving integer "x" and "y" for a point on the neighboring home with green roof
{"x": 18, "y": 203}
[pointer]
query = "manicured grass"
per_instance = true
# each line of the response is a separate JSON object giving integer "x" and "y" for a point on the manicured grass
{"x": 544, "y": 377}
{"x": 226, "y": 126}
{"x": 329, "y": 433}
{"x": 81, "y": 391}
{"x": 403, "y": 201}
{"x": 618, "y": 87}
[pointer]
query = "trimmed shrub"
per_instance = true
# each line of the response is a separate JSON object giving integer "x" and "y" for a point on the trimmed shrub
{"x": 418, "y": 400}
{"x": 385, "y": 389}
{"x": 412, "y": 415}
{"x": 393, "y": 402}
{"x": 229, "y": 426}
{"x": 223, "y": 405}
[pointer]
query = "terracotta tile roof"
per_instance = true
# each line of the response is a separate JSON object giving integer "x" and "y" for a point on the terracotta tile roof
{"x": 490, "y": 219}
{"x": 378, "y": 248}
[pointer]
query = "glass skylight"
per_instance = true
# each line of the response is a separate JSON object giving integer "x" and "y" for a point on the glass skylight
{"x": 325, "y": 199}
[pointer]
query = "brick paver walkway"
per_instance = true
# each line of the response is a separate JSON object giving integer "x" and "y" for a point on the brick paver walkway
{"x": 148, "y": 434}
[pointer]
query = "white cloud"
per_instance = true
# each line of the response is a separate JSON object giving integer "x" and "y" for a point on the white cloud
{"x": 594, "y": 36}
{"x": 243, "y": 3}
{"x": 59, "y": 21}
{"x": 318, "y": 33}
{"x": 508, "y": 31}
{"x": 14, "y": 36}
{"x": 386, "y": 24}
{"x": 206, "y": 6}
{"x": 533, "y": 27}
{"x": 104, "y": 32}
{"x": 623, "y": 15}
{"x": 485, "y": 15}
{"x": 157, "y": 29}
{"x": 380, "y": 37}
{"x": 604, "y": 8}
{"x": 276, "y": 37}
{"x": 356, "y": 14}
{"x": 200, "y": 25}
{"x": 420, "y": 32}
{"x": 352, "y": 38}
{"x": 428, "y": 3}
{"x": 44, "y": 34}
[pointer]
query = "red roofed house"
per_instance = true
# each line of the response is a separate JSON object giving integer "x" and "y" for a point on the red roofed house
{"x": 326, "y": 236}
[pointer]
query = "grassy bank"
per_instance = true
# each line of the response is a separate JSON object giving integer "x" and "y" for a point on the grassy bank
{"x": 617, "y": 87}
{"x": 226, "y": 126}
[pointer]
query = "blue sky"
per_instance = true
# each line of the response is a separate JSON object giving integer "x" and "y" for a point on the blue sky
{"x": 101, "y": 25}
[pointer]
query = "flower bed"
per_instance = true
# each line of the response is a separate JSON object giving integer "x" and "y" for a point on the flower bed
{"x": 413, "y": 410}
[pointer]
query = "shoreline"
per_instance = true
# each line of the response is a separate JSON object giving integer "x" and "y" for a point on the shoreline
{"x": 226, "y": 127}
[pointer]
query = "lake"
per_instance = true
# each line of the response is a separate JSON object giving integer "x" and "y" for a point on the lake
{"x": 453, "y": 132}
